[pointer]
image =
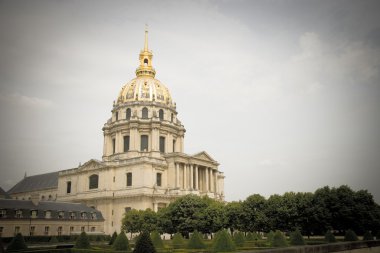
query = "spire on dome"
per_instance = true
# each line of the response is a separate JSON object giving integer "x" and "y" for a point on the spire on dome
{"x": 145, "y": 68}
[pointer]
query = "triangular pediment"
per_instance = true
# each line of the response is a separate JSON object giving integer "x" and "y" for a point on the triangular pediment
{"x": 91, "y": 165}
{"x": 204, "y": 156}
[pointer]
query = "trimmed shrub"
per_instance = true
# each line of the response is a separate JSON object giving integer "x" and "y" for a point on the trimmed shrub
{"x": 17, "y": 243}
{"x": 195, "y": 241}
{"x": 329, "y": 237}
{"x": 178, "y": 241}
{"x": 144, "y": 244}
{"x": 53, "y": 239}
{"x": 113, "y": 238}
{"x": 367, "y": 236}
{"x": 223, "y": 242}
{"x": 249, "y": 236}
{"x": 156, "y": 239}
{"x": 82, "y": 241}
{"x": 296, "y": 238}
{"x": 278, "y": 240}
{"x": 350, "y": 236}
{"x": 270, "y": 236}
{"x": 239, "y": 239}
{"x": 121, "y": 242}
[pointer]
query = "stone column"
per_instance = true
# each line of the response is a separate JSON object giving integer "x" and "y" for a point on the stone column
{"x": 216, "y": 181}
{"x": 207, "y": 182}
{"x": 155, "y": 138}
{"x": 191, "y": 177}
{"x": 196, "y": 178}
{"x": 185, "y": 176}
{"x": 177, "y": 175}
{"x": 155, "y": 207}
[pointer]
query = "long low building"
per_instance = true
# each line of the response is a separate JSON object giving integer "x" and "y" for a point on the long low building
{"x": 47, "y": 218}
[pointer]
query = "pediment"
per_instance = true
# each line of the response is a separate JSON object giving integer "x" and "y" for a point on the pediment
{"x": 204, "y": 156}
{"x": 91, "y": 165}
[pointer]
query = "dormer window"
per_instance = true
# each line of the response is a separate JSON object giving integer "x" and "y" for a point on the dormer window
{"x": 18, "y": 213}
{"x": 83, "y": 215}
{"x": 61, "y": 214}
{"x": 3, "y": 213}
{"x": 93, "y": 216}
{"x": 72, "y": 215}
{"x": 47, "y": 214}
{"x": 34, "y": 213}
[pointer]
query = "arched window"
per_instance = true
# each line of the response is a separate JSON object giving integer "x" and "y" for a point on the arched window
{"x": 128, "y": 114}
{"x": 129, "y": 179}
{"x": 172, "y": 118}
{"x": 161, "y": 114}
{"x": 145, "y": 62}
{"x": 144, "y": 113}
{"x": 93, "y": 181}
{"x": 162, "y": 144}
{"x": 158, "y": 179}
{"x": 116, "y": 115}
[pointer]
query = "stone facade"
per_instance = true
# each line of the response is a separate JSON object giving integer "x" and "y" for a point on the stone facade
{"x": 143, "y": 164}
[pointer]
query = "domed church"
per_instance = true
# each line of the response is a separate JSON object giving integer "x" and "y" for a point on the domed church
{"x": 143, "y": 163}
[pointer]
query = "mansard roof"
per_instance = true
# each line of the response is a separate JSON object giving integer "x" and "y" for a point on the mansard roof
{"x": 27, "y": 205}
{"x": 35, "y": 183}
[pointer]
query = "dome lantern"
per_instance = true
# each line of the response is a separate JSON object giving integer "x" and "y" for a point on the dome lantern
{"x": 146, "y": 56}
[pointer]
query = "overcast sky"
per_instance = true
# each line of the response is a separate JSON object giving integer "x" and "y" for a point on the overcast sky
{"x": 285, "y": 95}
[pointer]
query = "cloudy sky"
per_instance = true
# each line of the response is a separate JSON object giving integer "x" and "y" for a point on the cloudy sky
{"x": 284, "y": 94}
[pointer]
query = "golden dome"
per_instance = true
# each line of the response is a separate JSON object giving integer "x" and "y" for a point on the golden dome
{"x": 145, "y": 87}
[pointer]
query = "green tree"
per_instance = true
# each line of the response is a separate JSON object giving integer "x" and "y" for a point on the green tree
{"x": 223, "y": 242}
{"x": 254, "y": 217}
{"x": 329, "y": 237}
{"x": 212, "y": 218}
{"x": 121, "y": 242}
{"x": 350, "y": 236}
{"x": 185, "y": 211}
{"x": 270, "y": 236}
{"x": 279, "y": 239}
{"x": 239, "y": 239}
{"x": 178, "y": 241}
{"x": 53, "y": 239}
{"x": 17, "y": 243}
{"x": 113, "y": 238}
{"x": 250, "y": 236}
{"x": 367, "y": 236}
{"x": 195, "y": 241}
{"x": 234, "y": 216}
{"x": 296, "y": 238}
{"x": 164, "y": 221}
{"x": 156, "y": 239}
{"x": 144, "y": 244}
{"x": 82, "y": 241}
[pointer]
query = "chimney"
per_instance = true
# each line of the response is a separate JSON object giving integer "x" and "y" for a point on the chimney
{"x": 35, "y": 197}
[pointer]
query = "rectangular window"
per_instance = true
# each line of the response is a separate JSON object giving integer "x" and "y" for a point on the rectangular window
{"x": 32, "y": 230}
{"x": 144, "y": 143}
{"x": 173, "y": 145}
{"x": 129, "y": 179}
{"x": 68, "y": 187}
{"x": 59, "y": 231}
{"x": 71, "y": 229}
{"x": 158, "y": 179}
{"x": 47, "y": 214}
{"x": 82, "y": 229}
{"x": 3, "y": 213}
{"x": 17, "y": 230}
{"x": 113, "y": 146}
{"x": 117, "y": 115}
{"x": 162, "y": 144}
{"x": 126, "y": 143}
{"x": 92, "y": 229}
{"x": 46, "y": 232}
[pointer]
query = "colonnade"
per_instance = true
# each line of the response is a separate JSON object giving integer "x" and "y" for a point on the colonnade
{"x": 196, "y": 177}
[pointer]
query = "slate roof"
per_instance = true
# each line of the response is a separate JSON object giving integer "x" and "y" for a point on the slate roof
{"x": 37, "y": 182}
{"x": 4, "y": 194}
{"x": 11, "y": 205}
